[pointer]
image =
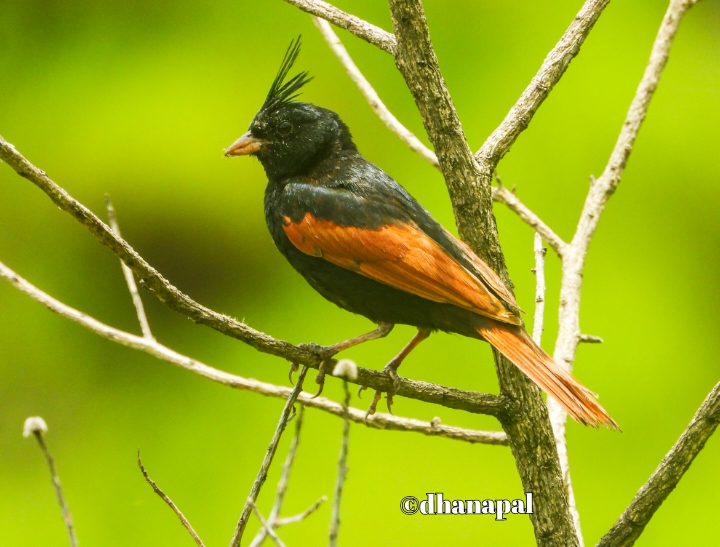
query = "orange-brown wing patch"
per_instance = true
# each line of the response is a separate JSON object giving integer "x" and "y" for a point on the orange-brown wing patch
{"x": 400, "y": 256}
{"x": 487, "y": 274}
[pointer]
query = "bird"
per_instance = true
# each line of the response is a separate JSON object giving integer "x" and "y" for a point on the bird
{"x": 365, "y": 244}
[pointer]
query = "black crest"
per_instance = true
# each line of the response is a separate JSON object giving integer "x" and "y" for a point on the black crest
{"x": 283, "y": 93}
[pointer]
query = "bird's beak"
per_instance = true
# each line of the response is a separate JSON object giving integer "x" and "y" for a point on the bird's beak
{"x": 244, "y": 146}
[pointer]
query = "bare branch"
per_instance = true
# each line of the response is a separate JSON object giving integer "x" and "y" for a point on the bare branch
{"x": 129, "y": 278}
{"x": 378, "y": 421}
{"x": 265, "y": 526}
{"x": 174, "y": 299}
{"x": 342, "y": 471}
{"x": 267, "y": 460}
{"x": 37, "y": 427}
{"x": 372, "y": 97}
{"x": 170, "y": 504}
{"x": 554, "y": 66}
{"x": 469, "y": 185}
{"x": 666, "y": 477}
{"x": 502, "y": 195}
{"x": 360, "y": 28}
{"x": 302, "y": 516}
{"x": 284, "y": 479}
{"x": 605, "y": 185}
{"x": 570, "y": 335}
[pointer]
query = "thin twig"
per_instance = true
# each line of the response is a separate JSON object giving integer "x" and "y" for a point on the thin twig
{"x": 36, "y": 426}
{"x": 539, "y": 319}
{"x": 129, "y": 277}
{"x": 378, "y": 421}
{"x": 569, "y": 334}
{"x": 360, "y": 28}
{"x": 666, "y": 477}
{"x": 284, "y": 479}
{"x": 538, "y": 325}
{"x": 502, "y": 195}
{"x": 300, "y": 516}
{"x": 371, "y": 95}
{"x": 342, "y": 471}
{"x": 176, "y": 300}
{"x": 265, "y": 526}
{"x": 170, "y": 504}
{"x": 554, "y": 66}
{"x": 267, "y": 460}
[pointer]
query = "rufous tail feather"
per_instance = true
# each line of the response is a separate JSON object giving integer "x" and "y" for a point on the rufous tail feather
{"x": 578, "y": 401}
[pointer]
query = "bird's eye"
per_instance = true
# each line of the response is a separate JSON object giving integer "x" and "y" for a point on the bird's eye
{"x": 284, "y": 128}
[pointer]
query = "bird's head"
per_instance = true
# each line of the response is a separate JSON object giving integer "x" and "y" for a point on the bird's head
{"x": 288, "y": 136}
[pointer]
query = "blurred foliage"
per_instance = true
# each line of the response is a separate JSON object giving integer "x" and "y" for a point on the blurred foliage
{"x": 137, "y": 100}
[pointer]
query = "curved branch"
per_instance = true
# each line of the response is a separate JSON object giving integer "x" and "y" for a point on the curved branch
{"x": 554, "y": 66}
{"x": 378, "y": 421}
{"x": 359, "y": 27}
{"x": 666, "y": 477}
{"x": 150, "y": 278}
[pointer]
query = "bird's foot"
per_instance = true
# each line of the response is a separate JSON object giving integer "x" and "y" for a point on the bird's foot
{"x": 325, "y": 354}
{"x": 391, "y": 371}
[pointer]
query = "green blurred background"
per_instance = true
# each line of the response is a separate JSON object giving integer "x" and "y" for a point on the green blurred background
{"x": 138, "y": 99}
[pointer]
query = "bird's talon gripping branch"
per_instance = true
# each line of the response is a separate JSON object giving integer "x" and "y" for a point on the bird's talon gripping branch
{"x": 360, "y": 390}
{"x": 395, "y": 377}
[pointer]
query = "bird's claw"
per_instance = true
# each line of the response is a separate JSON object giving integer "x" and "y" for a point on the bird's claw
{"x": 320, "y": 377}
{"x": 373, "y": 406}
{"x": 294, "y": 367}
{"x": 390, "y": 371}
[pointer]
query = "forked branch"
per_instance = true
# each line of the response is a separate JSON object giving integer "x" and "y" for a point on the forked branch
{"x": 569, "y": 334}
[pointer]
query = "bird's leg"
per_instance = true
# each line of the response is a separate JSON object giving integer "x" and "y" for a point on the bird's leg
{"x": 327, "y": 352}
{"x": 391, "y": 369}
{"x": 382, "y": 330}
